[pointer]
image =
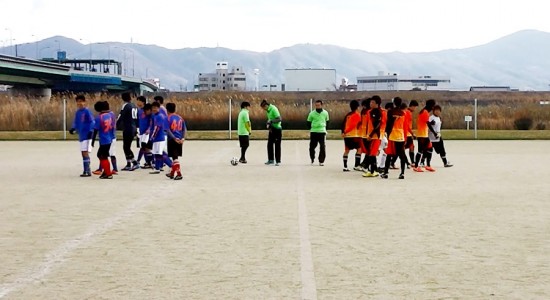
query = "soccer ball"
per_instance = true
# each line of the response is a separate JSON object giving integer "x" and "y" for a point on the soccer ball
{"x": 234, "y": 161}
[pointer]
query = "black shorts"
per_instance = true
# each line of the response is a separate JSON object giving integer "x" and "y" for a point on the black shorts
{"x": 424, "y": 144}
{"x": 103, "y": 151}
{"x": 439, "y": 147}
{"x": 175, "y": 150}
{"x": 409, "y": 143}
{"x": 244, "y": 141}
{"x": 352, "y": 143}
{"x": 148, "y": 145}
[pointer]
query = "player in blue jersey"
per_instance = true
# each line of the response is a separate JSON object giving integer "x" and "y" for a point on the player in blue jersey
{"x": 104, "y": 124}
{"x": 144, "y": 124}
{"x": 112, "y": 149}
{"x": 178, "y": 128}
{"x": 158, "y": 136}
{"x": 83, "y": 124}
{"x": 163, "y": 111}
{"x": 127, "y": 119}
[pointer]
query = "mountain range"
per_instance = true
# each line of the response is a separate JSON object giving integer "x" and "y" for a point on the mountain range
{"x": 519, "y": 60}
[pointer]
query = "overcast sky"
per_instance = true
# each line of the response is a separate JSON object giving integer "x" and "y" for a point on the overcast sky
{"x": 258, "y": 25}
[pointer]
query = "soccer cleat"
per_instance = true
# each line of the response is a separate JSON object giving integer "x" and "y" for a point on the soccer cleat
{"x": 277, "y": 164}
{"x": 171, "y": 176}
{"x": 242, "y": 161}
{"x": 448, "y": 165}
{"x": 134, "y": 167}
{"x": 103, "y": 176}
{"x": 178, "y": 177}
{"x": 375, "y": 174}
{"x": 346, "y": 170}
{"x": 429, "y": 168}
{"x": 155, "y": 172}
{"x": 401, "y": 176}
{"x": 85, "y": 174}
{"x": 127, "y": 168}
{"x": 97, "y": 172}
{"x": 321, "y": 164}
{"x": 269, "y": 162}
{"x": 418, "y": 169}
{"x": 147, "y": 166}
{"x": 367, "y": 174}
{"x": 114, "y": 172}
{"x": 359, "y": 169}
{"x": 384, "y": 176}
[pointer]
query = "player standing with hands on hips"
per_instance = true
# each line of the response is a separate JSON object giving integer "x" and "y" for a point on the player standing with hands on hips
{"x": 317, "y": 122}
{"x": 275, "y": 133}
{"x": 128, "y": 120}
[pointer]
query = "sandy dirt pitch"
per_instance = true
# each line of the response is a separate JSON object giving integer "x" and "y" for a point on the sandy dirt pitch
{"x": 479, "y": 230}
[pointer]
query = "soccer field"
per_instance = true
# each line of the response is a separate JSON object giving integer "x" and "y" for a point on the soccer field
{"x": 478, "y": 230}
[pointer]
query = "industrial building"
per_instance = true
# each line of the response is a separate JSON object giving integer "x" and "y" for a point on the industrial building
{"x": 222, "y": 79}
{"x": 310, "y": 80}
{"x": 396, "y": 82}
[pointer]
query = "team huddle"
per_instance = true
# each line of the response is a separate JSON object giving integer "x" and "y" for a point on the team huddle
{"x": 160, "y": 129}
{"x": 382, "y": 135}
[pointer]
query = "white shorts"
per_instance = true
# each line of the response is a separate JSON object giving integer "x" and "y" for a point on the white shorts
{"x": 158, "y": 147}
{"x": 112, "y": 150}
{"x": 144, "y": 138}
{"x": 86, "y": 146}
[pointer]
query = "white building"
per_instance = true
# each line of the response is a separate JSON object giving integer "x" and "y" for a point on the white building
{"x": 396, "y": 82}
{"x": 223, "y": 80}
{"x": 298, "y": 80}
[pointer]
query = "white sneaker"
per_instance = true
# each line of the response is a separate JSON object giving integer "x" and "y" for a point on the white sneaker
{"x": 321, "y": 164}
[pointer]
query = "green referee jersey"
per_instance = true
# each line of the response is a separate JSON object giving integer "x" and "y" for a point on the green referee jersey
{"x": 241, "y": 122}
{"x": 273, "y": 113}
{"x": 318, "y": 121}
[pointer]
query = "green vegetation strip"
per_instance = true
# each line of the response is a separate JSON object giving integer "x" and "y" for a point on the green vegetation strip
{"x": 293, "y": 135}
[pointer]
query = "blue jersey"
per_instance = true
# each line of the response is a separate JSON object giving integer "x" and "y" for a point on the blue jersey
{"x": 165, "y": 113}
{"x": 159, "y": 126}
{"x": 144, "y": 121}
{"x": 177, "y": 125}
{"x": 113, "y": 130}
{"x": 83, "y": 123}
{"x": 104, "y": 124}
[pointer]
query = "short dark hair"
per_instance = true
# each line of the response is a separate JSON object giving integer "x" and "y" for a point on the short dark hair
{"x": 80, "y": 97}
{"x": 413, "y": 103}
{"x": 354, "y": 104}
{"x": 389, "y": 105}
{"x": 264, "y": 103}
{"x": 98, "y": 106}
{"x": 397, "y": 101}
{"x": 319, "y": 101}
{"x": 377, "y": 100}
{"x": 403, "y": 106}
{"x": 142, "y": 99}
{"x": 437, "y": 107}
{"x": 126, "y": 97}
{"x": 159, "y": 99}
{"x": 430, "y": 103}
{"x": 171, "y": 107}
{"x": 106, "y": 105}
{"x": 155, "y": 104}
{"x": 147, "y": 106}
{"x": 245, "y": 104}
{"x": 366, "y": 102}
{"x": 376, "y": 97}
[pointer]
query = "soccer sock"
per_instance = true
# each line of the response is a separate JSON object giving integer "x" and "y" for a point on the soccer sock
{"x": 373, "y": 166}
{"x": 411, "y": 156}
{"x": 444, "y": 159}
{"x": 417, "y": 160}
{"x": 357, "y": 160}
{"x": 365, "y": 162}
{"x": 158, "y": 161}
{"x": 387, "y": 165}
{"x": 148, "y": 157}
{"x": 113, "y": 162}
{"x": 175, "y": 168}
{"x": 140, "y": 154}
{"x": 167, "y": 160}
{"x": 345, "y": 158}
{"x": 428, "y": 158}
{"x": 128, "y": 162}
{"x": 403, "y": 160}
{"x": 86, "y": 164}
{"x": 106, "y": 167}
{"x": 243, "y": 152}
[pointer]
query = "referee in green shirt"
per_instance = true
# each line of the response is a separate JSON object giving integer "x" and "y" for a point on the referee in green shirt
{"x": 317, "y": 122}
{"x": 275, "y": 133}
{"x": 244, "y": 129}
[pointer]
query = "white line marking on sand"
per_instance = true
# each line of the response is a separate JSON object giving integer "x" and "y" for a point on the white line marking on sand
{"x": 309, "y": 288}
{"x": 59, "y": 255}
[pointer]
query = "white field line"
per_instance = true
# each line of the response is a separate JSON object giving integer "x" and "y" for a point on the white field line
{"x": 307, "y": 274}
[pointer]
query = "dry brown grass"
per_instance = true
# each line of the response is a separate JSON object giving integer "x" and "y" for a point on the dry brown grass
{"x": 210, "y": 111}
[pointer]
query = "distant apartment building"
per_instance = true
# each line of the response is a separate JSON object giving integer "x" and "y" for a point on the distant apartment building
{"x": 396, "y": 82}
{"x": 222, "y": 79}
{"x": 309, "y": 80}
